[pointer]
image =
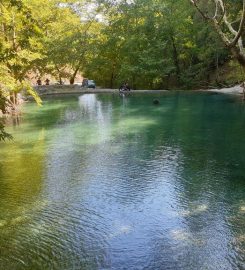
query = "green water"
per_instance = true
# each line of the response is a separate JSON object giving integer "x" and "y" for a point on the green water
{"x": 109, "y": 182}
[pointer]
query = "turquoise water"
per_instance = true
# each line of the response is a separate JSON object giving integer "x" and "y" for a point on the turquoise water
{"x": 109, "y": 182}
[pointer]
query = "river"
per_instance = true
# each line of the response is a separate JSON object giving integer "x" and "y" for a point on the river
{"x": 102, "y": 181}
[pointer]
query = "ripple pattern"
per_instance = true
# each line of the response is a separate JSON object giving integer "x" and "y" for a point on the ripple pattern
{"x": 105, "y": 182}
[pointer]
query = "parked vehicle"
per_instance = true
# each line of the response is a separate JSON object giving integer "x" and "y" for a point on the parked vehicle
{"x": 91, "y": 84}
{"x": 88, "y": 83}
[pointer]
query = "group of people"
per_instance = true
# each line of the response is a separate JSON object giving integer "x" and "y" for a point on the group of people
{"x": 124, "y": 87}
{"x": 39, "y": 82}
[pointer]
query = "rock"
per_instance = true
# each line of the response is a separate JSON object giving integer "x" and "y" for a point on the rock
{"x": 156, "y": 101}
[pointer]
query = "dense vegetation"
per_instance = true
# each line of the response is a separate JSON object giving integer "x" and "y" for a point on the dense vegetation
{"x": 150, "y": 43}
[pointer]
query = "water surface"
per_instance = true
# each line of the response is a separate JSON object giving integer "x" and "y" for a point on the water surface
{"x": 109, "y": 182}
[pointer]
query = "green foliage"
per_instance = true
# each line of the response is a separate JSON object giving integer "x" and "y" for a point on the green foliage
{"x": 69, "y": 34}
{"x": 155, "y": 44}
{"x": 150, "y": 43}
{"x": 3, "y": 134}
{"x": 19, "y": 49}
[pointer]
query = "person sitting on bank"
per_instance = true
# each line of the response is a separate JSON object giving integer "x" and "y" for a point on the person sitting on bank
{"x": 124, "y": 87}
{"x": 127, "y": 87}
{"x": 47, "y": 81}
{"x": 39, "y": 82}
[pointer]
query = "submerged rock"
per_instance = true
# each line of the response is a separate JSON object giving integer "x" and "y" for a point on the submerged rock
{"x": 156, "y": 101}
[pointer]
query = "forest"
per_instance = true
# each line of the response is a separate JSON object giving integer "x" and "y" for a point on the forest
{"x": 153, "y": 44}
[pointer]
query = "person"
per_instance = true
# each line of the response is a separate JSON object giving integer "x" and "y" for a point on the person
{"x": 85, "y": 82}
{"x": 121, "y": 88}
{"x": 39, "y": 82}
{"x": 124, "y": 87}
{"x": 127, "y": 86}
{"x": 47, "y": 81}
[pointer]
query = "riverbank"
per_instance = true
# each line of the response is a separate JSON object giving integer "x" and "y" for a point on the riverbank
{"x": 235, "y": 90}
{"x": 77, "y": 89}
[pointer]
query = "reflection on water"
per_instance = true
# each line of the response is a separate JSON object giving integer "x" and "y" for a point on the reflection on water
{"x": 110, "y": 182}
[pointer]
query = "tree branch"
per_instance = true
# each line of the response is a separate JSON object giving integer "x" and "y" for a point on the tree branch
{"x": 239, "y": 32}
{"x": 237, "y": 40}
{"x": 194, "y": 2}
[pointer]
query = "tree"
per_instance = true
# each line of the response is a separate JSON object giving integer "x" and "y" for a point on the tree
{"x": 18, "y": 51}
{"x": 69, "y": 32}
{"x": 229, "y": 25}
{"x": 154, "y": 44}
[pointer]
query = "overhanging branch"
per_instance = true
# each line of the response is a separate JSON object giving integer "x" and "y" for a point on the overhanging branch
{"x": 217, "y": 21}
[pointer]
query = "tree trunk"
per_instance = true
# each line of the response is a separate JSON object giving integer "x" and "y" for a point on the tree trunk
{"x": 176, "y": 59}
{"x": 112, "y": 80}
{"x": 134, "y": 86}
{"x": 72, "y": 79}
{"x": 59, "y": 74}
{"x": 240, "y": 57}
{"x": 13, "y": 102}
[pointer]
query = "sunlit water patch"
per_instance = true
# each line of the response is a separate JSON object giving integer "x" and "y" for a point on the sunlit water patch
{"x": 110, "y": 182}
